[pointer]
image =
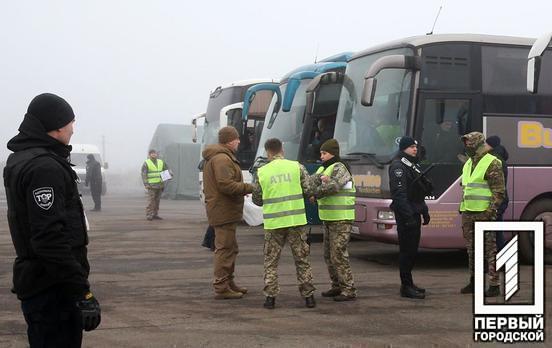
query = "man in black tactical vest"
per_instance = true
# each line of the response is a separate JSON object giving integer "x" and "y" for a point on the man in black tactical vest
{"x": 49, "y": 228}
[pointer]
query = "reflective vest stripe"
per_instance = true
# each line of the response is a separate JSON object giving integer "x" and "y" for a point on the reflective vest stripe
{"x": 284, "y": 213}
{"x": 154, "y": 171}
{"x": 282, "y": 199}
{"x": 283, "y": 203}
{"x": 477, "y": 198}
{"x": 477, "y": 194}
{"x": 477, "y": 185}
{"x": 336, "y": 207}
{"x": 339, "y": 206}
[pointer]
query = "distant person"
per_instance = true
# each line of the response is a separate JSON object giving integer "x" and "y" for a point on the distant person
{"x": 224, "y": 191}
{"x": 483, "y": 186}
{"x": 94, "y": 179}
{"x": 281, "y": 189}
{"x": 151, "y": 177}
{"x": 502, "y": 154}
{"x": 335, "y": 191}
{"x": 48, "y": 228}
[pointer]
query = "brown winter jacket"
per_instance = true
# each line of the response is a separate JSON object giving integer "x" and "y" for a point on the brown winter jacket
{"x": 223, "y": 185}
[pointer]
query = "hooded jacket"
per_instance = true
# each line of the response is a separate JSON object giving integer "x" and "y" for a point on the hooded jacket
{"x": 45, "y": 215}
{"x": 223, "y": 185}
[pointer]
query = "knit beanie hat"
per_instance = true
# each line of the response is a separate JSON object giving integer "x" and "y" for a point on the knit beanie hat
{"x": 227, "y": 134}
{"x": 51, "y": 110}
{"x": 493, "y": 141}
{"x": 406, "y": 142}
{"x": 330, "y": 146}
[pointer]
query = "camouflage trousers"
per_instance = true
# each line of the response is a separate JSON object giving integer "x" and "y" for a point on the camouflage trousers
{"x": 154, "y": 197}
{"x": 273, "y": 245}
{"x": 336, "y": 238}
{"x": 468, "y": 228}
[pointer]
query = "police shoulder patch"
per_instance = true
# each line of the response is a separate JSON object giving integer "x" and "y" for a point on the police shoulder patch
{"x": 398, "y": 172}
{"x": 44, "y": 197}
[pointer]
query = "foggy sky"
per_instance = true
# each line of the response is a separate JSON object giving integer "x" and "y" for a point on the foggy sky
{"x": 127, "y": 65}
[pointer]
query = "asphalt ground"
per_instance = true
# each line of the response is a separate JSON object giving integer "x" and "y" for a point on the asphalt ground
{"x": 153, "y": 280}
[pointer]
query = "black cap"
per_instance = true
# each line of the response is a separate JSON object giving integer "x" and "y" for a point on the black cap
{"x": 493, "y": 141}
{"x": 51, "y": 110}
{"x": 406, "y": 142}
{"x": 330, "y": 146}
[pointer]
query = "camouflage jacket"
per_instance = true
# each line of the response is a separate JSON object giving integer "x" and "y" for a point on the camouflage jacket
{"x": 340, "y": 176}
{"x": 306, "y": 184}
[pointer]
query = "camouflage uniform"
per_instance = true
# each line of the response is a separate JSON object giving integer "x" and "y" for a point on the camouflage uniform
{"x": 474, "y": 142}
{"x": 154, "y": 191}
{"x": 336, "y": 233}
{"x": 275, "y": 241}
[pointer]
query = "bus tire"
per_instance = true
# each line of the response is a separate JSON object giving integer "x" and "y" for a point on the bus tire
{"x": 535, "y": 212}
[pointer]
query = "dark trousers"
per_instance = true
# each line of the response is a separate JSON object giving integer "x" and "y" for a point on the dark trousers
{"x": 96, "y": 196}
{"x": 409, "y": 240}
{"x": 53, "y": 320}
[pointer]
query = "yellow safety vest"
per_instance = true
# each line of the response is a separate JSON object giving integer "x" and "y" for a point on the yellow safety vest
{"x": 283, "y": 203}
{"x": 477, "y": 194}
{"x": 154, "y": 172}
{"x": 339, "y": 206}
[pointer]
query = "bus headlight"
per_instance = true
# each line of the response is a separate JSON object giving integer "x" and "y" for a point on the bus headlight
{"x": 386, "y": 215}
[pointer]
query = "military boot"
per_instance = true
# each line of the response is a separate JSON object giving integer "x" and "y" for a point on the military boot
{"x": 310, "y": 302}
{"x": 341, "y": 298}
{"x": 269, "y": 302}
{"x": 237, "y": 288}
{"x": 409, "y": 292}
{"x": 468, "y": 289}
{"x": 493, "y": 291}
{"x": 228, "y": 295}
{"x": 333, "y": 292}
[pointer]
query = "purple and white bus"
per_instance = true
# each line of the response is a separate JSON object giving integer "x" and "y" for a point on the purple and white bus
{"x": 437, "y": 88}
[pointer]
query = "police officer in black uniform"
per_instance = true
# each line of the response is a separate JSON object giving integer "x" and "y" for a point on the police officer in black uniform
{"x": 408, "y": 189}
{"x": 49, "y": 228}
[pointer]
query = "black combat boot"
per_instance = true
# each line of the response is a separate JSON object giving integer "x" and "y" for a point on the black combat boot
{"x": 493, "y": 291}
{"x": 409, "y": 292}
{"x": 420, "y": 290}
{"x": 309, "y": 302}
{"x": 333, "y": 292}
{"x": 269, "y": 302}
{"x": 468, "y": 289}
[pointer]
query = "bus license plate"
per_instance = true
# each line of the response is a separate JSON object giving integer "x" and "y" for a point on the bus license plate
{"x": 355, "y": 230}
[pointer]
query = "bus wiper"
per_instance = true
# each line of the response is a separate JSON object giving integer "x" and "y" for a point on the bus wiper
{"x": 370, "y": 156}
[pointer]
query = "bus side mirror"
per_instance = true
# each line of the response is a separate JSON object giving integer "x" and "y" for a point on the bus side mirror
{"x": 106, "y": 165}
{"x": 534, "y": 61}
{"x": 369, "y": 91}
{"x": 395, "y": 61}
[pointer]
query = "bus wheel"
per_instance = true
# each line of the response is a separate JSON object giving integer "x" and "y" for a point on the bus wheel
{"x": 540, "y": 210}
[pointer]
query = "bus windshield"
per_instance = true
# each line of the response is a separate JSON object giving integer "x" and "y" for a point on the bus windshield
{"x": 375, "y": 129}
{"x": 287, "y": 126}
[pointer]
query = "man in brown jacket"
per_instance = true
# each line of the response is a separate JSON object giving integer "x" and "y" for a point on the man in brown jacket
{"x": 224, "y": 190}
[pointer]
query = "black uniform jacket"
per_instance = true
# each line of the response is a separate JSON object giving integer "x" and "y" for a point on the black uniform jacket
{"x": 45, "y": 215}
{"x": 408, "y": 194}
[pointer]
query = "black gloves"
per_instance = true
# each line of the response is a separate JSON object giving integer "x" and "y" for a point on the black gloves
{"x": 90, "y": 312}
{"x": 427, "y": 218}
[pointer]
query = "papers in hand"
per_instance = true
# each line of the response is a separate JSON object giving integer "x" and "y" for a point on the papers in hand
{"x": 348, "y": 185}
{"x": 166, "y": 175}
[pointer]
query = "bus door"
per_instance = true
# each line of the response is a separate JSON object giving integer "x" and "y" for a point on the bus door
{"x": 441, "y": 119}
